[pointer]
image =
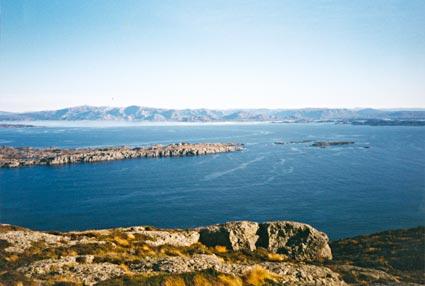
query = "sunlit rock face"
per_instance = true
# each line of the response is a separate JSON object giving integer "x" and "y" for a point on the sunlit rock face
{"x": 298, "y": 241}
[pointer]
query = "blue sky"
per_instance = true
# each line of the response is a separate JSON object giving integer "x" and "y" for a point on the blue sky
{"x": 213, "y": 54}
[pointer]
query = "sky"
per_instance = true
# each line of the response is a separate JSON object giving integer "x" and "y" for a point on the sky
{"x": 217, "y": 54}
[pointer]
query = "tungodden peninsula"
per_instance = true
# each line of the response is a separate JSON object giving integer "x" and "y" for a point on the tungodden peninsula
{"x": 25, "y": 156}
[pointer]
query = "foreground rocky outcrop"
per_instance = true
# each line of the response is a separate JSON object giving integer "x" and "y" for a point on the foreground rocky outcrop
{"x": 234, "y": 253}
{"x": 26, "y": 156}
{"x": 296, "y": 240}
{"x": 395, "y": 257}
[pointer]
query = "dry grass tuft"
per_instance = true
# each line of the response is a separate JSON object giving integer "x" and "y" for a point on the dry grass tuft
{"x": 12, "y": 258}
{"x": 229, "y": 280}
{"x": 126, "y": 270}
{"x": 121, "y": 241}
{"x": 258, "y": 276}
{"x": 143, "y": 253}
{"x": 62, "y": 280}
{"x": 71, "y": 252}
{"x": 131, "y": 236}
{"x": 170, "y": 251}
{"x": 220, "y": 249}
{"x": 173, "y": 281}
{"x": 200, "y": 280}
{"x": 275, "y": 257}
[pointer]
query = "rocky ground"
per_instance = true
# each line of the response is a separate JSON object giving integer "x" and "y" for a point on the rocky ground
{"x": 235, "y": 253}
{"x": 396, "y": 253}
{"x": 25, "y": 156}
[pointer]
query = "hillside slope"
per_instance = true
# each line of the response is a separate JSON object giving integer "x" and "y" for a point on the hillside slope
{"x": 138, "y": 113}
{"x": 235, "y": 253}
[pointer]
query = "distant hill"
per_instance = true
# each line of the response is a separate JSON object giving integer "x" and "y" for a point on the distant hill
{"x": 138, "y": 113}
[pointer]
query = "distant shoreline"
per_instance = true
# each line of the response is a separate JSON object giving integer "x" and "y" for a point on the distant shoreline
{"x": 12, "y": 125}
{"x": 126, "y": 123}
{"x": 136, "y": 113}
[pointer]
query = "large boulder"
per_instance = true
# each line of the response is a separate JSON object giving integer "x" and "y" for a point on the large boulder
{"x": 298, "y": 241}
{"x": 233, "y": 235}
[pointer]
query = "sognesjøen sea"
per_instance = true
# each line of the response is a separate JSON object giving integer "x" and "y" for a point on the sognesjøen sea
{"x": 376, "y": 184}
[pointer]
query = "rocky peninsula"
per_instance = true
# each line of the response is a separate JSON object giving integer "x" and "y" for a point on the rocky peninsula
{"x": 25, "y": 156}
{"x": 234, "y": 253}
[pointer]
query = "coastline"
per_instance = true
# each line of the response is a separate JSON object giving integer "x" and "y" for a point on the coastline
{"x": 83, "y": 123}
{"x": 125, "y": 123}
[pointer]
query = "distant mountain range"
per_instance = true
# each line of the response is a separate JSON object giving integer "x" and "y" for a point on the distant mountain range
{"x": 138, "y": 113}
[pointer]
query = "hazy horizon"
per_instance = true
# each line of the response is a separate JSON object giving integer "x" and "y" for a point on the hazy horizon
{"x": 214, "y": 55}
{"x": 221, "y": 109}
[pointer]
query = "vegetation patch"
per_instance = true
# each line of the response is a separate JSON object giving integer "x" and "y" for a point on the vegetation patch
{"x": 397, "y": 252}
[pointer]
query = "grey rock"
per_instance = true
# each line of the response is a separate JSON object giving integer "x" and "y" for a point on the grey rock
{"x": 174, "y": 237}
{"x": 197, "y": 262}
{"x": 80, "y": 268}
{"x": 232, "y": 235}
{"x": 20, "y": 240}
{"x": 304, "y": 274}
{"x": 297, "y": 240}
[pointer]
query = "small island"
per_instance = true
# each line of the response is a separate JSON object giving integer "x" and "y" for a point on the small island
{"x": 387, "y": 122}
{"x": 324, "y": 144}
{"x": 7, "y": 125}
{"x": 12, "y": 157}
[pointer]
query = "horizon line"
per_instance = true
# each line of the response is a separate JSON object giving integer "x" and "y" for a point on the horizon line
{"x": 220, "y": 109}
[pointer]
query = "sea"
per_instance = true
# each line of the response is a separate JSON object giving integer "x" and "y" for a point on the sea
{"x": 375, "y": 184}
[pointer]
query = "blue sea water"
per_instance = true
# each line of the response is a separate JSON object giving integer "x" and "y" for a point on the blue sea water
{"x": 342, "y": 190}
